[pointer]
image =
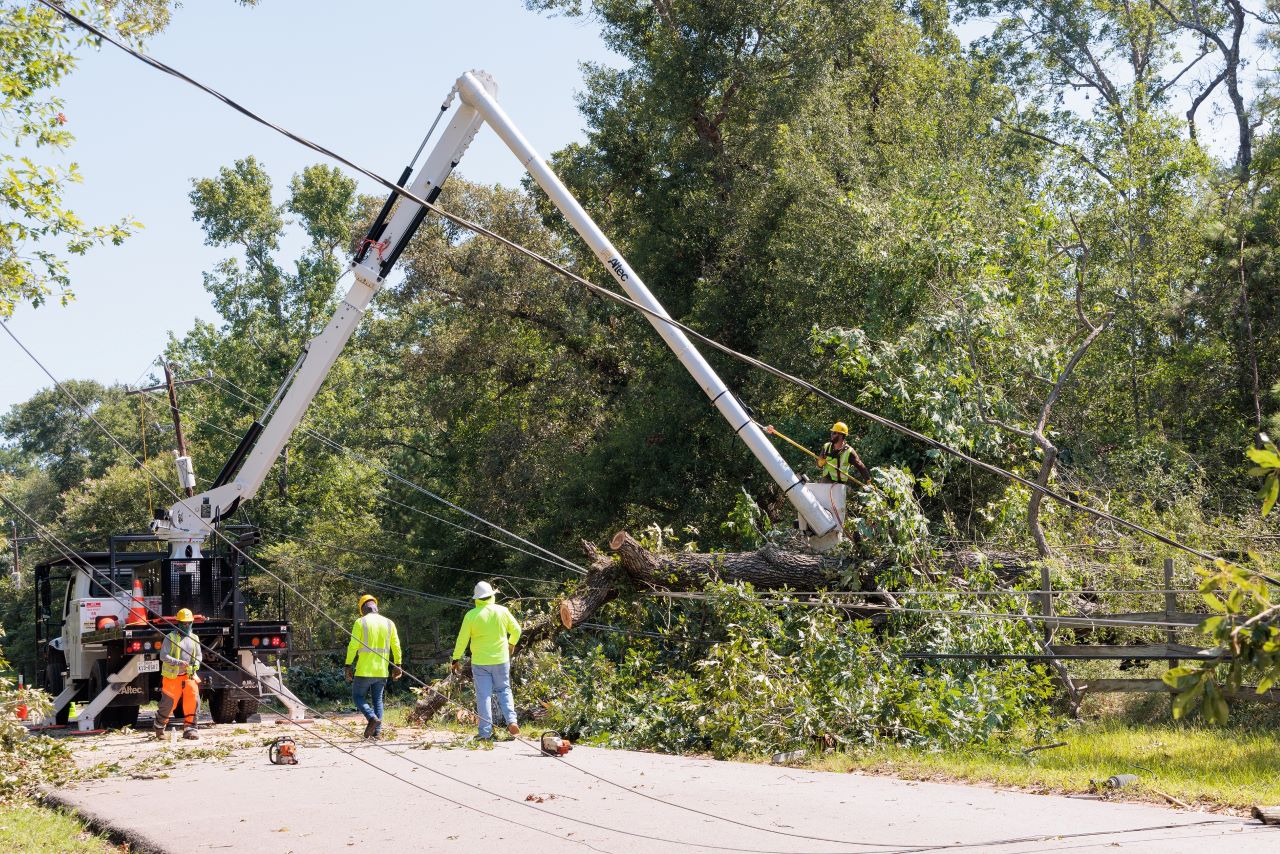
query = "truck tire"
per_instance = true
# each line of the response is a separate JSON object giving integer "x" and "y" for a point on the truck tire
{"x": 247, "y": 708}
{"x": 114, "y": 717}
{"x": 223, "y": 705}
{"x": 54, "y": 685}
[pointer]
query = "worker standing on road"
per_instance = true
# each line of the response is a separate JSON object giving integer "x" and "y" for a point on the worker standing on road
{"x": 180, "y": 685}
{"x": 837, "y": 459}
{"x": 374, "y": 649}
{"x": 492, "y": 634}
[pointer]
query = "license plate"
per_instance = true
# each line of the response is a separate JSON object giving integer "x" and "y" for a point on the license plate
{"x": 148, "y": 667}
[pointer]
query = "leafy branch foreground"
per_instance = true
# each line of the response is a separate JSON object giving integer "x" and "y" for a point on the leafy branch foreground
{"x": 733, "y": 676}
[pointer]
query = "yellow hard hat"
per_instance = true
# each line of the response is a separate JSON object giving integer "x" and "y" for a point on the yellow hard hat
{"x": 366, "y": 598}
{"x": 841, "y": 428}
{"x": 185, "y": 616}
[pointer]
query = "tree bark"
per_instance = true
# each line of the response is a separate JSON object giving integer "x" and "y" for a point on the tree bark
{"x": 767, "y": 569}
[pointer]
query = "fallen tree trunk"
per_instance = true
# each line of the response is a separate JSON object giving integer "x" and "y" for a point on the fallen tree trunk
{"x": 769, "y": 568}
{"x": 637, "y": 569}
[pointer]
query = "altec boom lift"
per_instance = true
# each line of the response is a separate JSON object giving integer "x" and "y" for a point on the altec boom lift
{"x": 190, "y": 521}
{"x": 96, "y": 656}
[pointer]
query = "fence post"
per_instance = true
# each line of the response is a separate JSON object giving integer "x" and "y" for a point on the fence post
{"x": 1170, "y": 608}
{"x": 1046, "y": 602}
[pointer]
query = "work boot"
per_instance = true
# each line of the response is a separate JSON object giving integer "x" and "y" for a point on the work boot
{"x": 514, "y": 729}
{"x": 190, "y": 734}
{"x": 159, "y": 731}
{"x": 371, "y": 728}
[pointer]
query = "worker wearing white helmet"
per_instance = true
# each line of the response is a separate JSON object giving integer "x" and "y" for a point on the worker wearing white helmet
{"x": 492, "y": 633}
{"x": 180, "y": 658}
{"x": 374, "y": 649}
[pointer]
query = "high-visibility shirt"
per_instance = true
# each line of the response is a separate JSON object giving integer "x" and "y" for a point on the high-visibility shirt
{"x": 839, "y": 465}
{"x": 377, "y": 644}
{"x": 179, "y": 655}
{"x": 488, "y": 628}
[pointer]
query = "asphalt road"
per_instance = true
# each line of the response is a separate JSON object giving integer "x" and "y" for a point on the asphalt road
{"x": 222, "y": 795}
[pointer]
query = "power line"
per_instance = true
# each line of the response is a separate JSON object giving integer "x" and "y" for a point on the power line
{"x": 164, "y": 486}
{"x": 389, "y": 500}
{"x": 623, "y": 300}
{"x": 1054, "y": 592}
{"x": 1079, "y": 621}
{"x": 558, "y": 559}
{"x": 408, "y": 561}
{"x": 218, "y": 534}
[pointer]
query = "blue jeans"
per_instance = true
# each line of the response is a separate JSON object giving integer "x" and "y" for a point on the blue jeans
{"x": 493, "y": 679}
{"x": 373, "y": 685}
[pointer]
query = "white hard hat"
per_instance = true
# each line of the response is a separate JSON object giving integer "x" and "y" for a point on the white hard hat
{"x": 483, "y": 590}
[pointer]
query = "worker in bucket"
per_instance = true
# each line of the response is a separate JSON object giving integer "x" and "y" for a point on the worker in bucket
{"x": 492, "y": 633}
{"x": 373, "y": 651}
{"x": 838, "y": 459}
{"x": 180, "y": 684}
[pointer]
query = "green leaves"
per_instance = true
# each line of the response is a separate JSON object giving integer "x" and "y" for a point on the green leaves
{"x": 1268, "y": 468}
{"x": 776, "y": 678}
{"x": 1244, "y": 628}
{"x": 37, "y": 229}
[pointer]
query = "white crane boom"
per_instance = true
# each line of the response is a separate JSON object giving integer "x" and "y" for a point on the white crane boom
{"x": 190, "y": 521}
{"x": 472, "y": 91}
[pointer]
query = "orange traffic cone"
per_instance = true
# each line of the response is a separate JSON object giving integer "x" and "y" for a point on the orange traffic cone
{"x": 22, "y": 707}
{"x": 137, "y": 613}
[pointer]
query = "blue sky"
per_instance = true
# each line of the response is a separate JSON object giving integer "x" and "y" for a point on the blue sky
{"x": 364, "y": 79}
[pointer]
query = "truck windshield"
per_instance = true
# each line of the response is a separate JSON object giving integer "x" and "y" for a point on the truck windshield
{"x": 100, "y": 587}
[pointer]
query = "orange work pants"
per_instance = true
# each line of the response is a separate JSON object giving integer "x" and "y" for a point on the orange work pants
{"x": 179, "y": 689}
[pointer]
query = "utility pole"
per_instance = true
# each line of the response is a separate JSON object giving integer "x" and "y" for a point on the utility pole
{"x": 177, "y": 420}
{"x": 16, "y": 574}
{"x": 170, "y": 385}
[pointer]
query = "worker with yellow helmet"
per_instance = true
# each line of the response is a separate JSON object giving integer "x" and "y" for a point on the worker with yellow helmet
{"x": 374, "y": 649}
{"x": 180, "y": 659}
{"x": 838, "y": 459}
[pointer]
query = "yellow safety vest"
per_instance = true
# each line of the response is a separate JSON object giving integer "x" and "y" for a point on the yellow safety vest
{"x": 376, "y": 643}
{"x": 839, "y": 465}
{"x": 179, "y": 652}
{"x": 489, "y": 629}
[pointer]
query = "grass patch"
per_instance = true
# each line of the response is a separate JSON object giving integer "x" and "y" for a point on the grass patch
{"x": 33, "y": 827}
{"x": 1234, "y": 767}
